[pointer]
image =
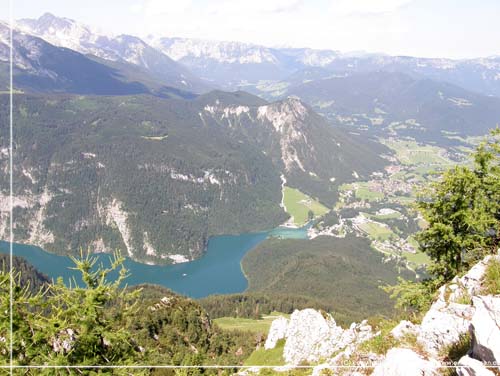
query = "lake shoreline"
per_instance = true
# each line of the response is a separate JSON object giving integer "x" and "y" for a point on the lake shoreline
{"x": 218, "y": 271}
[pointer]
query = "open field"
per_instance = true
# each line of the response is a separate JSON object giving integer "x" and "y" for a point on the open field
{"x": 362, "y": 191}
{"x": 376, "y": 231}
{"x": 403, "y": 200}
{"x": 298, "y": 205}
{"x": 387, "y": 214}
{"x": 412, "y": 153}
{"x": 365, "y": 193}
{"x": 251, "y": 325}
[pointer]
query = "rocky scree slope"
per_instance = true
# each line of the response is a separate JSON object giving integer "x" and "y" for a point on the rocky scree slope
{"x": 312, "y": 337}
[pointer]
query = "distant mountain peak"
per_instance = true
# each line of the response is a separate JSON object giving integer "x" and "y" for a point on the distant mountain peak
{"x": 60, "y": 31}
{"x": 49, "y": 23}
{"x": 68, "y": 33}
{"x": 224, "y": 52}
{"x": 49, "y": 17}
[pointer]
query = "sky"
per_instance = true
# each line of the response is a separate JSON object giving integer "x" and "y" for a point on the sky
{"x": 425, "y": 28}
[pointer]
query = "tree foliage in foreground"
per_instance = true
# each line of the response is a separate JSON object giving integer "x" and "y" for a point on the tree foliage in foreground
{"x": 463, "y": 215}
{"x": 103, "y": 323}
{"x": 61, "y": 326}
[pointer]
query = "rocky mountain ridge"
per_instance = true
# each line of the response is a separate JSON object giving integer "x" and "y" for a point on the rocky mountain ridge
{"x": 41, "y": 67}
{"x": 68, "y": 33}
{"x": 312, "y": 337}
{"x": 221, "y": 62}
{"x": 216, "y": 60}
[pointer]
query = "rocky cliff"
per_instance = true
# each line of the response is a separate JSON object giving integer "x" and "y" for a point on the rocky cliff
{"x": 461, "y": 321}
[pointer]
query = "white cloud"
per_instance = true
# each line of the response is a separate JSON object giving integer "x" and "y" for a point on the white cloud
{"x": 347, "y": 7}
{"x": 136, "y": 7}
{"x": 262, "y": 6}
{"x": 156, "y": 8}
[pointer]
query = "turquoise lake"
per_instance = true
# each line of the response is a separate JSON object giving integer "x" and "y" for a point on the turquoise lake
{"x": 217, "y": 272}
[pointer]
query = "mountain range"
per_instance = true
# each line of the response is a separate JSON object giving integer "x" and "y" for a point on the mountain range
{"x": 152, "y": 147}
{"x": 39, "y": 66}
{"x": 64, "y": 32}
{"x": 97, "y": 116}
{"x": 197, "y": 66}
{"x": 238, "y": 65}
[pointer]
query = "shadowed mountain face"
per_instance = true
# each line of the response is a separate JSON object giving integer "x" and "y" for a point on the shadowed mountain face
{"x": 396, "y": 102}
{"x": 44, "y": 68}
{"x": 156, "y": 177}
{"x": 40, "y": 66}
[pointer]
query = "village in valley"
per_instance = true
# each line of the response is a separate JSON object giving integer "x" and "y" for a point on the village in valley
{"x": 383, "y": 209}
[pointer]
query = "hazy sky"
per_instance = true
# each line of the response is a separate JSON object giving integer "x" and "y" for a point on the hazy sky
{"x": 431, "y": 28}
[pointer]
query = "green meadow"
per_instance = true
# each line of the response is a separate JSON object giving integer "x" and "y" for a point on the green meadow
{"x": 298, "y": 205}
{"x": 251, "y": 325}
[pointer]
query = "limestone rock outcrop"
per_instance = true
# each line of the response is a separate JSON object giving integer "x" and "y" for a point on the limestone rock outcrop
{"x": 404, "y": 328}
{"x": 468, "y": 366}
{"x": 277, "y": 331}
{"x": 450, "y": 315}
{"x": 485, "y": 329}
{"x": 311, "y": 335}
{"x": 401, "y": 361}
{"x": 460, "y": 309}
{"x": 443, "y": 325}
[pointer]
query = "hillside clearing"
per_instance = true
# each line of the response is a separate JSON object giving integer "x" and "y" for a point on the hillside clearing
{"x": 298, "y": 205}
{"x": 250, "y": 325}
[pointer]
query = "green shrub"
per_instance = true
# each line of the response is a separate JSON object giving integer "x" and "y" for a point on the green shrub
{"x": 381, "y": 343}
{"x": 413, "y": 298}
{"x": 491, "y": 281}
{"x": 455, "y": 351}
{"x": 271, "y": 357}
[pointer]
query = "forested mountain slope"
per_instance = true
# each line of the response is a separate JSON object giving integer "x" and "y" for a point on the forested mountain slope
{"x": 27, "y": 275}
{"x": 344, "y": 273}
{"x": 156, "y": 177}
